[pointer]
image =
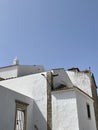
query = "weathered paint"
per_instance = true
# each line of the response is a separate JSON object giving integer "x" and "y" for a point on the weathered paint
{"x": 29, "y": 69}
{"x": 35, "y": 87}
{"x": 9, "y": 72}
{"x": 19, "y": 70}
{"x": 61, "y": 78}
{"x": 69, "y": 110}
{"x": 8, "y": 109}
{"x": 81, "y": 80}
{"x": 84, "y": 122}
{"x": 49, "y": 103}
{"x": 64, "y": 110}
{"x": 95, "y": 97}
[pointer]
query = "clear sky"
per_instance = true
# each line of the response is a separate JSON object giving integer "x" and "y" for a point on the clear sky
{"x": 52, "y": 33}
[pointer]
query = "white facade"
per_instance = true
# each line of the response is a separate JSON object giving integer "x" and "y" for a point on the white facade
{"x": 61, "y": 78}
{"x": 69, "y": 110}
{"x": 14, "y": 71}
{"x": 8, "y": 109}
{"x": 64, "y": 110}
{"x": 9, "y": 72}
{"x": 60, "y": 99}
{"x": 85, "y": 123}
{"x": 35, "y": 87}
{"x": 81, "y": 80}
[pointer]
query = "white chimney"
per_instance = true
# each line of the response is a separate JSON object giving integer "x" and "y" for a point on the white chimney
{"x": 16, "y": 61}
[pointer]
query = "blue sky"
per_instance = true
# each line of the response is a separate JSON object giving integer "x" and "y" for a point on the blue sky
{"x": 53, "y": 33}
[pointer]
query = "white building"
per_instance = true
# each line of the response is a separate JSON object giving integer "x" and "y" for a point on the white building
{"x": 34, "y": 99}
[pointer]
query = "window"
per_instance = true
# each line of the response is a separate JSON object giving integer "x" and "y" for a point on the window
{"x": 21, "y": 109}
{"x": 88, "y": 111}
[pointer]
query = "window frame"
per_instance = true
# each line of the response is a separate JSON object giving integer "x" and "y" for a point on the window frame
{"x": 88, "y": 110}
{"x": 21, "y": 106}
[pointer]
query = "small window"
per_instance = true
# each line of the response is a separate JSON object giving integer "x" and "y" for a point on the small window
{"x": 88, "y": 111}
{"x": 21, "y": 109}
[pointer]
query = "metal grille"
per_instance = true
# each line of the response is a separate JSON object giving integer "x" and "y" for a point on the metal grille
{"x": 20, "y": 117}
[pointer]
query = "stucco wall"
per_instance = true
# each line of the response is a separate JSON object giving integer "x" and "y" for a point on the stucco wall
{"x": 8, "y": 72}
{"x": 35, "y": 87}
{"x": 84, "y": 122}
{"x": 8, "y": 109}
{"x": 61, "y": 78}
{"x": 19, "y": 70}
{"x": 64, "y": 110}
{"x": 29, "y": 69}
{"x": 81, "y": 80}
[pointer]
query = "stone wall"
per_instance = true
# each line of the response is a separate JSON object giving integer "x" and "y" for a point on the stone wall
{"x": 49, "y": 103}
{"x": 94, "y": 95}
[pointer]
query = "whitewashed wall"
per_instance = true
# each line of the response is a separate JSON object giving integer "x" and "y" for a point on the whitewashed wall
{"x": 8, "y": 109}
{"x": 84, "y": 122}
{"x": 35, "y": 87}
{"x": 64, "y": 110}
{"x": 8, "y": 72}
{"x": 29, "y": 69}
{"x": 81, "y": 80}
{"x": 69, "y": 111}
{"x": 61, "y": 78}
{"x": 19, "y": 70}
